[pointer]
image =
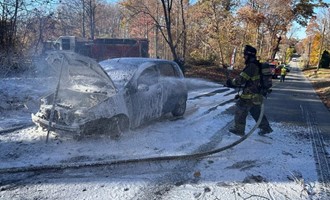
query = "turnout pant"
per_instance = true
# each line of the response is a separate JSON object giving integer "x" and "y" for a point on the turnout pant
{"x": 243, "y": 108}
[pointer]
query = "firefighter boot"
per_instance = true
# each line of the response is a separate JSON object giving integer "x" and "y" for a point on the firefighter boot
{"x": 265, "y": 131}
{"x": 236, "y": 131}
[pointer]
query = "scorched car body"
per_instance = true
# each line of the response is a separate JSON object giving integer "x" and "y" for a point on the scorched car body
{"x": 111, "y": 96}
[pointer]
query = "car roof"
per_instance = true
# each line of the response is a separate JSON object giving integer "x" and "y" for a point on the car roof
{"x": 132, "y": 62}
{"x": 121, "y": 70}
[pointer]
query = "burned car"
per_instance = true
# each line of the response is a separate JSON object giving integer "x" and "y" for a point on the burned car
{"x": 151, "y": 87}
{"x": 111, "y": 96}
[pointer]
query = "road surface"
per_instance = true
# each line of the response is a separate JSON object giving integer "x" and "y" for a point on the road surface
{"x": 295, "y": 102}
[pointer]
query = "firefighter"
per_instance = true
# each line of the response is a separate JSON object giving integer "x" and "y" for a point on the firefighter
{"x": 283, "y": 74}
{"x": 250, "y": 100}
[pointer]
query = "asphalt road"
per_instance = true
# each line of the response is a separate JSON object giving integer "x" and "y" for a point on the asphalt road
{"x": 295, "y": 102}
{"x": 290, "y": 100}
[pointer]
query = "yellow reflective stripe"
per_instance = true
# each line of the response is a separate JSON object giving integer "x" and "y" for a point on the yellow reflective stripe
{"x": 244, "y": 75}
{"x": 247, "y": 77}
{"x": 254, "y": 78}
{"x": 248, "y": 96}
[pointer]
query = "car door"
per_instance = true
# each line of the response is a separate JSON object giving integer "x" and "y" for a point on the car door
{"x": 171, "y": 89}
{"x": 147, "y": 100}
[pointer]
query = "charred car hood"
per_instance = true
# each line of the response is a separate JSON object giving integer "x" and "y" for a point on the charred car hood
{"x": 79, "y": 73}
{"x": 82, "y": 86}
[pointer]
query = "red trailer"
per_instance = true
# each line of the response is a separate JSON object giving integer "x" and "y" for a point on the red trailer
{"x": 104, "y": 48}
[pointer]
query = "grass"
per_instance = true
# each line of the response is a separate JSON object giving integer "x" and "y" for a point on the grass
{"x": 320, "y": 80}
{"x": 213, "y": 73}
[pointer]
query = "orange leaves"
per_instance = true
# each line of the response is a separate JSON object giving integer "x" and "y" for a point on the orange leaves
{"x": 315, "y": 49}
{"x": 250, "y": 15}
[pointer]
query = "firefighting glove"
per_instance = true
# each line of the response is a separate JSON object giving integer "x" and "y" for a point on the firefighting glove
{"x": 229, "y": 84}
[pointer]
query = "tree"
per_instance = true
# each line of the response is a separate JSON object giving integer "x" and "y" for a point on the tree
{"x": 289, "y": 53}
{"x": 213, "y": 31}
{"x": 303, "y": 10}
{"x": 78, "y": 16}
{"x": 169, "y": 20}
{"x": 254, "y": 30}
{"x": 23, "y": 25}
{"x": 317, "y": 31}
{"x": 207, "y": 29}
{"x": 9, "y": 17}
{"x": 109, "y": 21}
{"x": 325, "y": 59}
{"x": 315, "y": 49}
{"x": 278, "y": 17}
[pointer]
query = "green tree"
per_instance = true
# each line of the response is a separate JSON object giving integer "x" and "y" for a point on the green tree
{"x": 289, "y": 53}
{"x": 325, "y": 59}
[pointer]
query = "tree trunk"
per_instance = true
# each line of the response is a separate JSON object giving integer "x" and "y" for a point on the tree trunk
{"x": 83, "y": 19}
{"x": 167, "y": 7}
{"x": 276, "y": 49}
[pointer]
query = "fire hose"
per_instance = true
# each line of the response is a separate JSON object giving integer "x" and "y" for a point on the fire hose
{"x": 136, "y": 160}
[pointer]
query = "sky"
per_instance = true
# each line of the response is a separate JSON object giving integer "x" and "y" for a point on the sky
{"x": 301, "y": 31}
{"x": 297, "y": 31}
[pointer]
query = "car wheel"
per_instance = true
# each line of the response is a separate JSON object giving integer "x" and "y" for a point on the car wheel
{"x": 96, "y": 127}
{"x": 118, "y": 125}
{"x": 105, "y": 126}
{"x": 180, "y": 107}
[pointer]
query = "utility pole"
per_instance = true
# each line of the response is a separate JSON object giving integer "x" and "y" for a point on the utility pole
{"x": 322, "y": 38}
{"x": 83, "y": 19}
{"x": 309, "y": 52}
{"x": 156, "y": 31}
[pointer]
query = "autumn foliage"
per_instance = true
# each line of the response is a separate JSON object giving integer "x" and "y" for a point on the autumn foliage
{"x": 205, "y": 31}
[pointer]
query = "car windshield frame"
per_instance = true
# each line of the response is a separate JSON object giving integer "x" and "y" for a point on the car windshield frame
{"x": 120, "y": 72}
{"x": 123, "y": 70}
{"x": 80, "y": 73}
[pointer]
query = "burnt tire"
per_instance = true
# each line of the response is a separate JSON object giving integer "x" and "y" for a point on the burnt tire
{"x": 180, "y": 107}
{"x": 118, "y": 124}
{"x": 105, "y": 126}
